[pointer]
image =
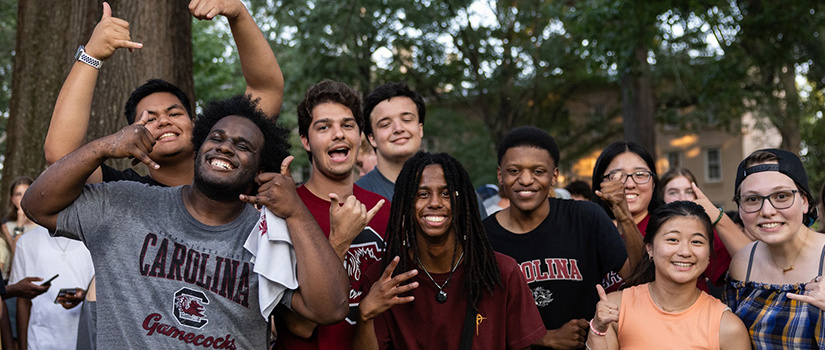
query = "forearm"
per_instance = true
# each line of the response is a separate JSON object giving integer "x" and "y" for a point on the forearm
{"x": 730, "y": 234}
{"x": 70, "y": 118}
{"x": 24, "y": 307}
{"x": 365, "y": 335}
{"x": 58, "y": 186}
{"x": 260, "y": 68}
{"x": 323, "y": 291}
{"x": 632, "y": 239}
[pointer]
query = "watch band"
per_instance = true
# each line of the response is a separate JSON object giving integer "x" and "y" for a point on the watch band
{"x": 82, "y": 56}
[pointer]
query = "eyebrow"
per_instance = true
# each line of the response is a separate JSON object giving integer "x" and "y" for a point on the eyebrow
{"x": 236, "y": 139}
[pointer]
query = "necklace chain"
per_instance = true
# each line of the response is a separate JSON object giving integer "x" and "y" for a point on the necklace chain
{"x": 441, "y": 287}
{"x": 784, "y": 270}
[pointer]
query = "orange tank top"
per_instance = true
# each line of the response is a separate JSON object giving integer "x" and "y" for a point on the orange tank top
{"x": 642, "y": 325}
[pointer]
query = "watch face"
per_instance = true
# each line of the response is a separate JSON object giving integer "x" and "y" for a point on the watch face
{"x": 79, "y": 51}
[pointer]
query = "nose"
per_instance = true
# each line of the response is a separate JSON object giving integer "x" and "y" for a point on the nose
{"x": 525, "y": 178}
{"x": 226, "y": 147}
{"x": 767, "y": 207}
{"x": 684, "y": 249}
{"x": 337, "y": 132}
{"x": 435, "y": 202}
{"x": 163, "y": 119}
{"x": 396, "y": 127}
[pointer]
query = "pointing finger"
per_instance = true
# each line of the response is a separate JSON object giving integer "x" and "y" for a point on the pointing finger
{"x": 374, "y": 210}
{"x": 144, "y": 118}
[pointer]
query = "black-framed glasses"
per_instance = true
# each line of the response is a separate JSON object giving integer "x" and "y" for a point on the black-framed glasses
{"x": 753, "y": 202}
{"x": 639, "y": 177}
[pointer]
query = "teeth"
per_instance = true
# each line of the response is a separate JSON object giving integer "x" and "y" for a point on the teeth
{"x": 631, "y": 196}
{"x": 683, "y": 264}
{"x": 771, "y": 225}
{"x": 221, "y": 164}
{"x": 435, "y": 218}
{"x": 525, "y": 193}
{"x": 166, "y": 134}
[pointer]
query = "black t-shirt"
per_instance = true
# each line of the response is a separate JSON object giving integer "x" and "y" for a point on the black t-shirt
{"x": 111, "y": 174}
{"x": 564, "y": 258}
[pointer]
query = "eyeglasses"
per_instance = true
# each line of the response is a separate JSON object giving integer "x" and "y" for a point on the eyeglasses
{"x": 753, "y": 202}
{"x": 639, "y": 177}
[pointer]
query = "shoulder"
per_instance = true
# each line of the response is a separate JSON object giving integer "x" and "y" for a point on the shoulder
{"x": 506, "y": 265}
{"x": 367, "y": 197}
{"x": 732, "y": 332}
{"x": 33, "y": 236}
{"x": 740, "y": 261}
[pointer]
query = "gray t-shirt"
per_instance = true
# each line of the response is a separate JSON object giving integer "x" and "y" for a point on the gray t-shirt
{"x": 164, "y": 279}
{"x": 376, "y": 182}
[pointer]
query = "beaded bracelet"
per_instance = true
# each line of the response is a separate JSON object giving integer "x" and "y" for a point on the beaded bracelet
{"x": 721, "y": 212}
{"x": 594, "y": 329}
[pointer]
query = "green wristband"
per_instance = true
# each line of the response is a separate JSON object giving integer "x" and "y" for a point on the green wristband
{"x": 721, "y": 212}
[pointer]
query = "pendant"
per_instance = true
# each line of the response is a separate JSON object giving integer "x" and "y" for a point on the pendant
{"x": 441, "y": 297}
{"x": 784, "y": 271}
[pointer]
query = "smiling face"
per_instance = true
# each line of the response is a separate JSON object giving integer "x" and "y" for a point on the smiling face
{"x": 169, "y": 123}
{"x": 229, "y": 158}
{"x": 771, "y": 225}
{"x": 638, "y": 195}
{"x": 680, "y": 250}
{"x": 679, "y": 189}
{"x": 333, "y": 139}
{"x": 396, "y": 131}
{"x": 433, "y": 210}
{"x": 527, "y": 175}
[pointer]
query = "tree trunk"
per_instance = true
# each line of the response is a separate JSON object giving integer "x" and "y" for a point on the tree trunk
{"x": 637, "y": 104}
{"x": 789, "y": 126}
{"x": 48, "y": 34}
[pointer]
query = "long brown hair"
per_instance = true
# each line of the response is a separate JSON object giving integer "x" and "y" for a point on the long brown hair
{"x": 22, "y": 180}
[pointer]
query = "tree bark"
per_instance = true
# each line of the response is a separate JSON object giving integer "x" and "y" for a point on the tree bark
{"x": 48, "y": 34}
{"x": 637, "y": 104}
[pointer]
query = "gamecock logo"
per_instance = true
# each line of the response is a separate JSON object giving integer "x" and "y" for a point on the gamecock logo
{"x": 189, "y": 307}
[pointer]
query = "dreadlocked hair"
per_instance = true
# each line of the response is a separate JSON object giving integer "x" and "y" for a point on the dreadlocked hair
{"x": 480, "y": 268}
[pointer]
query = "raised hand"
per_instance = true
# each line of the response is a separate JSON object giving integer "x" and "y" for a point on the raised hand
{"x": 110, "y": 34}
{"x": 814, "y": 293}
{"x": 277, "y": 191}
{"x": 208, "y": 9}
{"x": 385, "y": 292}
{"x": 132, "y": 141}
{"x": 348, "y": 220}
{"x": 612, "y": 192}
{"x": 607, "y": 312}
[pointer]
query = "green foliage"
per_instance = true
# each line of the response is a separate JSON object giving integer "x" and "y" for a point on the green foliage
{"x": 215, "y": 63}
{"x": 8, "y": 28}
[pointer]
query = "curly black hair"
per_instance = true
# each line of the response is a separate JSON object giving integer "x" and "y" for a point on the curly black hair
{"x": 276, "y": 144}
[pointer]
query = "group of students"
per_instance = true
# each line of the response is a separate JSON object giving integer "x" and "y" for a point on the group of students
{"x": 406, "y": 257}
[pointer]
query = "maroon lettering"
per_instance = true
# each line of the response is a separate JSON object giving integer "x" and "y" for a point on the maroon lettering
{"x": 242, "y": 296}
{"x": 188, "y": 338}
{"x": 178, "y": 259}
{"x": 527, "y": 270}
{"x": 228, "y": 280}
{"x": 216, "y": 280}
{"x": 208, "y": 342}
{"x": 152, "y": 324}
{"x": 561, "y": 265}
{"x": 197, "y": 340}
{"x": 202, "y": 273}
{"x": 150, "y": 239}
{"x": 159, "y": 267}
{"x": 192, "y": 259}
{"x": 575, "y": 274}
{"x": 540, "y": 275}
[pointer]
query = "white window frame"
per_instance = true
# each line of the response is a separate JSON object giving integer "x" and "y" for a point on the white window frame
{"x": 709, "y": 163}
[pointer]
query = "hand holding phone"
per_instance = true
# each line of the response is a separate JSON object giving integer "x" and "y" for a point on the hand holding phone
{"x": 49, "y": 281}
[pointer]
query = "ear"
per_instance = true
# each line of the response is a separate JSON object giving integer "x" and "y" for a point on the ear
{"x": 305, "y": 142}
{"x": 649, "y": 250}
{"x": 371, "y": 140}
{"x": 805, "y": 204}
{"x": 555, "y": 178}
{"x": 421, "y": 129}
{"x": 498, "y": 175}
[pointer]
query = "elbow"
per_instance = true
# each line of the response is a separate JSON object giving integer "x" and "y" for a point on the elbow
{"x": 337, "y": 312}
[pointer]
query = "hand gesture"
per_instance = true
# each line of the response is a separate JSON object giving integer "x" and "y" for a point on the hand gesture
{"x": 571, "y": 335}
{"x": 26, "y": 288}
{"x": 612, "y": 193}
{"x": 607, "y": 312}
{"x": 277, "y": 192}
{"x": 208, "y": 9}
{"x": 814, "y": 293}
{"x": 69, "y": 301}
{"x": 348, "y": 220}
{"x": 110, "y": 34}
{"x": 385, "y": 292}
{"x": 132, "y": 141}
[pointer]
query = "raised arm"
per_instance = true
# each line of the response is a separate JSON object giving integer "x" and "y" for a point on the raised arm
{"x": 322, "y": 295}
{"x": 730, "y": 234}
{"x": 59, "y": 186}
{"x": 613, "y": 193}
{"x": 70, "y": 119}
{"x": 260, "y": 68}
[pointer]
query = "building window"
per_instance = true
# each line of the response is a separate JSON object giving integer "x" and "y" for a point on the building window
{"x": 713, "y": 164}
{"x": 674, "y": 159}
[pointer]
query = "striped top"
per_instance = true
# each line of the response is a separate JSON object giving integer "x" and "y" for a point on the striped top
{"x": 774, "y": 321}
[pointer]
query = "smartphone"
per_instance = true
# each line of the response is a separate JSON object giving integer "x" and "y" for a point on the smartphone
{"x": 49, "y": 281}
{"x": 64, "y": 292}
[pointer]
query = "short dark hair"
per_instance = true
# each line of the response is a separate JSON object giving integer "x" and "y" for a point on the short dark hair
{"x": 530, "y": 136}
{"x": 150, "y": 87}
{"x": 607, "y": 156}
{"x": 645, "y": 271}
{"x": 579, "y": 187}
{"x": 332, "y": 92}
{"x": 387, "y": 91}
{"x": 276, "y": 144}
